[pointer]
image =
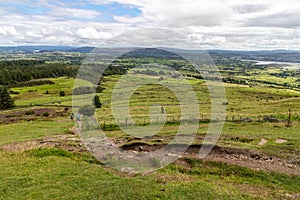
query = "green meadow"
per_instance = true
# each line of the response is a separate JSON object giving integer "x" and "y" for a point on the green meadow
{"x": 55, "y": 173}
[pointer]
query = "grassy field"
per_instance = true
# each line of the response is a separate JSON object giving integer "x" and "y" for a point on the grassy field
{"x": 56, "y": 174}
{"x": 36, "y": 95}
{"x": 59, "y": 174}
{"x": 23, "y": 131}
{"x": 243, "y": 101}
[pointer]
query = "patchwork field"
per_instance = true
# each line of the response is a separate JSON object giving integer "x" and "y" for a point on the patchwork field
{"x": 255, "y": 158}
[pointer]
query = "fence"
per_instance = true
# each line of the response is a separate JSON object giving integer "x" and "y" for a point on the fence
{"x": 176, "y": 120}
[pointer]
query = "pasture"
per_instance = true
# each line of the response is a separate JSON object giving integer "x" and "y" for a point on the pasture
{"x": 60, "y": 173}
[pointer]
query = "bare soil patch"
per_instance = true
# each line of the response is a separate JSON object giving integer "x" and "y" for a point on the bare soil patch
{"x": 235, "y": 156}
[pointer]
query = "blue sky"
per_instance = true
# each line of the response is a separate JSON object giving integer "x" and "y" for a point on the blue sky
{"x": 107, "y": 10}
{"x": 224, "y": 24}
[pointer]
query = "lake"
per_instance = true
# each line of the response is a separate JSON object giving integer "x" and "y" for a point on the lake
{"x": 286, "y": 65}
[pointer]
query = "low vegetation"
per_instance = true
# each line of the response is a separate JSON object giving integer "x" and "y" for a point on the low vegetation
{"x": 263, "y": 118}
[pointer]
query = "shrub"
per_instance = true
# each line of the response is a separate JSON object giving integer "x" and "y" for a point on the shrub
{"x": 87, "y": 110}
{"x": 46, "y": 114}
{"x": 99, "y": 89}
{"x": 14, "y": 92}
{"x": 62, "y": 93}
{"x": 29, "y": 112}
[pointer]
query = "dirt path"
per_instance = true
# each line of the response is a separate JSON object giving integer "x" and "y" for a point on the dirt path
{"x": 235, "y": 156}
{"x": 241, "y": 157}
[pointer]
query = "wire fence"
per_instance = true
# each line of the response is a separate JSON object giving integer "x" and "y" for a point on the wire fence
{"x": 176, "y": 120}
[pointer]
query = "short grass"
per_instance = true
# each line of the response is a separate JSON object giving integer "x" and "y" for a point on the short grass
{"x": 23, "y": 131}
{"x": 55, "y": 174}
{"x": 36, "y": 95}
{"x": 243, "y": 101}
{"x": 248, "y": 135}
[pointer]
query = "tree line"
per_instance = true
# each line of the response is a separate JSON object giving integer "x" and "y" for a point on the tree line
{"x": 16, "y": 71}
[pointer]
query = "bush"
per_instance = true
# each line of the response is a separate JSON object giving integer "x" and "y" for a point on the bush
{"x": 99, "y": 89}
{"x": 87, "y": 110}
{"x": 62, "y": 93}
{"x": 46, "y": 114}
{"x": 14, "y": 92}
{"x": 29, "y": 112}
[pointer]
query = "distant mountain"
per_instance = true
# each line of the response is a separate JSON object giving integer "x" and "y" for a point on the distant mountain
{"x": 31, "y": 49}
{"x": 264, "y": 55}
{"x": 81, "y": 49}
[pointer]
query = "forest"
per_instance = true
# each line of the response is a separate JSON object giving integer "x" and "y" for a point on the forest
{"x": 16, "y": 71}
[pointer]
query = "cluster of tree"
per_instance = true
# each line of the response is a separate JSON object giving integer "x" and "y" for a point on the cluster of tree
{"x": 32, "y": 83}
{"x": 17, "y": 63}
{"x": 235, "y": 81}
{"x": 287, "y": 73}
{"x": 16, "y": 71}
{"x": 197, "y": 76}
{"x": 115, "y": 70}
{"x": 285, "y": 84}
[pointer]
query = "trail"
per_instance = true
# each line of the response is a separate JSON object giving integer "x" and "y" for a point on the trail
{"x": 241, "y": 157}
{"x": 235, "y": 156}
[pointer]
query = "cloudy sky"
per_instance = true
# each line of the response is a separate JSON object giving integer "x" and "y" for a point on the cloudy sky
{"x": 223, "y": 24}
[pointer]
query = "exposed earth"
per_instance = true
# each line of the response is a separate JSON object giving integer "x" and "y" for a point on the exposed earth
{"x": 235, "y": 156}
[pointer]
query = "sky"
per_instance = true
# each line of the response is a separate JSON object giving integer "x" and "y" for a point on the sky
{"x": 212, "y": 24}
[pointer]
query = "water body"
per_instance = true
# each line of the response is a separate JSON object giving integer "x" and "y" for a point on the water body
{"x": 285, "y": 65}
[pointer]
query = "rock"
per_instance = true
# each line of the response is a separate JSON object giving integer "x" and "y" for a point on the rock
{"x": 280, "y": 141}
{"x": 262, "y": 142}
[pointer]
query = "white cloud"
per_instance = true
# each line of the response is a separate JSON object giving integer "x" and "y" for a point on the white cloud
{"x": 179, "y": 13}
{"x": 92, "y": 33}
{"x": 8, "y": 30}
{"x": 229, "y": 24}
{"x": 72, "y": 12}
